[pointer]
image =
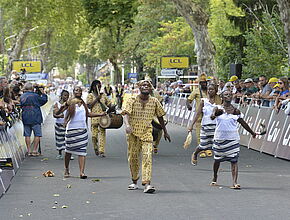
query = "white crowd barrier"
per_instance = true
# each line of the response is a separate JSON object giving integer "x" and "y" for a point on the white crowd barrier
{"x": 13, "y": 148}
{"x": 276, "y": 142}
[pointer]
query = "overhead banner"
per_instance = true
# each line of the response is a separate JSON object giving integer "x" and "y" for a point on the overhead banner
{"x": 30, "y": 66}
{"x": 174, "y": 62}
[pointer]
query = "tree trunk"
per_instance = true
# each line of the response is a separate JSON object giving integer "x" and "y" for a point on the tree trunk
{"x": 46, "y": 52}
{"x": 17, "y": 47}
{"x": 117, "y": 72}
{"x": 198, "y": 20}
{"x": 284, "y": 7}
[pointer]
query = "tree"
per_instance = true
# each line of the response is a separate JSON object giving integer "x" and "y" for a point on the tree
{"x": 113, "y": 20}
{"x": 196, "y": 15}
{"x": 284, "y": 7}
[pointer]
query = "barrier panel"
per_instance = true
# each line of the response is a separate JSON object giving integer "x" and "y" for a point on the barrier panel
{"x": 276, "y": 142}
{"x": 13, "y": 148}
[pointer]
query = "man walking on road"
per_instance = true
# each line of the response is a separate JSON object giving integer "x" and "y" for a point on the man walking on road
{"x": 138, "y": 114}
{"x": 30, "y": 103}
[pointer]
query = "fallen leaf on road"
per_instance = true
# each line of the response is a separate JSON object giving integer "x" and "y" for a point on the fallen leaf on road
{"x": 55, "y": 202}
{"x": 53, "y": 207}
{"x": 220, "y": 187}
{"x": 36, "y": 177}
{"x": 44, "y": 159}
{"x": 20, "y": 216}
{"x": 56, "y": 195}
{"x": 88, "y": 202}
{"x": 68, "y": 186}
{"x": 64, "y": 207}
{"x": 96, "y": 180}
{"x": 48, "y": 173}
{"x": 29, "y": 214}
{"x": 93, "y": 192}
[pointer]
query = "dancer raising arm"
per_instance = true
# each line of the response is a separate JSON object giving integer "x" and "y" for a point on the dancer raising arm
{"x": 226, "y": 145}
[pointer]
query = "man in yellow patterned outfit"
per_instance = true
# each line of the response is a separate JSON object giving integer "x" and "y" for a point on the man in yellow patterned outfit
{"x": 138, "y": 114}
{"x": 98, "y": 102}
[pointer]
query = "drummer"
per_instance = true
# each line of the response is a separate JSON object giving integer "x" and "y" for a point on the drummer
{"x": 138, "y": 114}
{"x": 159, "y": 133}
{"x": 98, "y": 103}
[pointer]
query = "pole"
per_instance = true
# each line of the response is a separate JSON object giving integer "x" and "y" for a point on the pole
{"x": 123, "y": 74}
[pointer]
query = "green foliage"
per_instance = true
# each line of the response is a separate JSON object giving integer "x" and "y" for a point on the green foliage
{"x": 176, "y": 39}
{"x": 266, "y": 51}
{"x": 227, "y": 52}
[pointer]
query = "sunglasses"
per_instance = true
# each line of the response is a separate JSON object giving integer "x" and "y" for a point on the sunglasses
{"x": 280, "y": 82}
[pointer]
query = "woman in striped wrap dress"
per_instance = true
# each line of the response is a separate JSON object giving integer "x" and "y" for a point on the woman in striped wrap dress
{"x": 59, "y": 124}
{"x": 76, "y": 134}
{"x": 207, "y": 124}
{"x": 226, "y": 145}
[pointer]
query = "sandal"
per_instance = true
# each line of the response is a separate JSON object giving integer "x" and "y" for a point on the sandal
{"x": 155, "y": 150}
{"x": 133, "y": 186}
{"x": 193, "y": 161}
{"x": 35, "y": 154}
{"x": 208, "y": 153}
{"x": 236, "y": 186}
{"x": 202, "y": 154}
{"x": 213, "y": 183}
{"x": 149, "y": 189}
{"x": 66, "y": 173}
{"x": 83, "y": 176}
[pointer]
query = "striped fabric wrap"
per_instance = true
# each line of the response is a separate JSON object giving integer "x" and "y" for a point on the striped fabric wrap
{"x": 206, "y": 136}
{"x": 76, "y": 141}
{"x": 59, "y": 136}
{"x": 226, "y": 150}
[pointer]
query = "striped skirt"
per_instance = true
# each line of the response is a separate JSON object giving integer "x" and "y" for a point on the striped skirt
{"x": 226, "y": 150}
{"x": 59, "y": 136}
{"x": 76, "y": 141}
{"x": 206, "y": 136}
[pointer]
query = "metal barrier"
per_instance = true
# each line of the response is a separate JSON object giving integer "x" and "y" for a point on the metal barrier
{"x": 13, "y": 148}
{"x": 276, "y": 142}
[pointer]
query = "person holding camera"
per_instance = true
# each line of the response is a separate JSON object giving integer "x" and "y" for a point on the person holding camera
{"x": 30, "y": 102}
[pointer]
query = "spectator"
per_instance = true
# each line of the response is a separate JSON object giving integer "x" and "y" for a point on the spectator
{"x": 119, "y": 95}
{"x": 221, "y": 86}
{"x": 273, "y": 83}
{"x": 265, "y": 91}
{"x": 284, "y": 92}
{"x": 3, "y": 84}
{"x": 109, "y": 91}
{"x": 31, "y": 116}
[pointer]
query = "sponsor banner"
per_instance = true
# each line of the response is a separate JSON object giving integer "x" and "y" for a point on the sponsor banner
{"x": 274, "y": 132}
{"x": 250, "y": 117}
{"x": 174, "y": 62}
{"x": 283, "y": 149}
{"x": 262, "y": 118}
{"x": 30, "y": 66}
{"x": 179, "y": 114}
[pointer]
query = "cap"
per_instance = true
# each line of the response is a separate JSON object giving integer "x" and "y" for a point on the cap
{"x": 233, "y": 78}
{"x": 273, "y": 80}
{"x": 209, "y": 78}
{"x": 202, "y": 77}
{"x": 248, "y": 80}
{"x": 276, "y": 86}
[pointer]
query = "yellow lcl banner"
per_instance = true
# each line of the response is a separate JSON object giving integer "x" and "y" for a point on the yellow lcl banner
{"x": 174, "y": 62}
{"x": 30, "y": 66}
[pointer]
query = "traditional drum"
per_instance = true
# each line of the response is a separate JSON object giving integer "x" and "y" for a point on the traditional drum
{"x": 111, "y": 120}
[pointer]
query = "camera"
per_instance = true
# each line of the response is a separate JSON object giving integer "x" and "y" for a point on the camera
{"x": 37, "y": 89}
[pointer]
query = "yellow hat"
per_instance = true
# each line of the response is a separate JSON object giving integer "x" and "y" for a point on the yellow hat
{"x": 277, "y": 85}
{"x": 273, "y": 80}
{"x": 202, "y": 77}
{"x": 209, "y": 78}
{"x": 233, "y": 78}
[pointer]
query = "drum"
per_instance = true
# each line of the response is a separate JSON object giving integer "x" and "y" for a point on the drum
{"x": 112, "y": 121}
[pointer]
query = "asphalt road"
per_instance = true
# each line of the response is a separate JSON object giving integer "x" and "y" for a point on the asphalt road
{"x": 183, "y": 191}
